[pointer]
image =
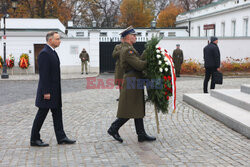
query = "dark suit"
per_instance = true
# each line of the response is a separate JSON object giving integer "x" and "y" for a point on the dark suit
{"x": 49, "y": 82}
{"x": 212, "y": 62}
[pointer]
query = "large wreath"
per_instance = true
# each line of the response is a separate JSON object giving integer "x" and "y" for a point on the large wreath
{"x": 24, "y": 61}
{"x": 160, "y": 67}
{"x": 1, "y": 62}
{"x": 10, "y": 61}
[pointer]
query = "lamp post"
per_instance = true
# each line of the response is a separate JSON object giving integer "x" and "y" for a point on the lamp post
{"x": 94, "y": 24}
{"x": 5, "y": 75}
{"x": 153, "y": 24}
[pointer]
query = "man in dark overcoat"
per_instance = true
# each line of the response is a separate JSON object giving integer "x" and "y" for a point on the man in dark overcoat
{"x": 131, "y": 101}
{"x": 178, "y": 59}
{"x": 211, "y": 62}
{"x": 49, "y": 92}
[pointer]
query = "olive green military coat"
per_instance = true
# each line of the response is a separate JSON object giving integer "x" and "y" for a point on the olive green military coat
{"x": 118, "y": 70}
{"x": 84, "y": 56}
{"x": 131, "y": 101}
{"x": 178, "y": 59}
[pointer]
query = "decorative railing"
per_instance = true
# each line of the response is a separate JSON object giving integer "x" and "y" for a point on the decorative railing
{"x": 118, "y": 39}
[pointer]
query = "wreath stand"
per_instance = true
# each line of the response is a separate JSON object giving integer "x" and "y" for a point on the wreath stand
{"x": 157, "y": 119}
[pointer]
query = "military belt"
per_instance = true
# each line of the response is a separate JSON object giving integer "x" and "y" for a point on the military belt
{"x": 131, "y": 71}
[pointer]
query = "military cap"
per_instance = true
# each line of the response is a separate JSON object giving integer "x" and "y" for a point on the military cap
{"x": 129, "y": 30}
{"x": 178, "y": 45}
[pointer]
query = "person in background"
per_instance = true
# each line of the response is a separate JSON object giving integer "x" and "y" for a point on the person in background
{"x": 178, "y": 59}
{"x": 211, "y": 62}
{"x": 84, "y": 56}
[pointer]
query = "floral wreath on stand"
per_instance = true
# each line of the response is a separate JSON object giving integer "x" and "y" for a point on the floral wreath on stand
{"x": 160, "y": 66}
{"x": 10, "y": 61}
{"x": 1, "y": 62}
{"x": 24, "y": 61}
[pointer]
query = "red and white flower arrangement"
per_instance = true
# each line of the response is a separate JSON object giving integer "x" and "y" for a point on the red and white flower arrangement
{"x": 10, "y": 61}
{"x": 160, "y": 66}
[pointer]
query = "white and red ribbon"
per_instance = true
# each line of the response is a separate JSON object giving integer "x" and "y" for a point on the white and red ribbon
{"x": 173, "y": 81}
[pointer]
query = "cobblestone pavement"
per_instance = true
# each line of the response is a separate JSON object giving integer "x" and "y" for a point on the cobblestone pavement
{"x": 187, "y": 138}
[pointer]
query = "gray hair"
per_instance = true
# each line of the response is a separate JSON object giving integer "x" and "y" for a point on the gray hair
{"x": 50, "y": 34}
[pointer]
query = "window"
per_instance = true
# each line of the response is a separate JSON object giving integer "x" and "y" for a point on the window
{"x": 199, "y": 31}
{"x": 73, "y": 49}
{"x": 245, "y": 27}
{"x": 161, "y": 34}
{"x": 103, "y": 34}
{"x": 223, "y": 29}
{"x": 139, "y": 34}
{"x": 171, "y": 34}
{"x": 80, "y": 34}
{"x": 233, "y": 28}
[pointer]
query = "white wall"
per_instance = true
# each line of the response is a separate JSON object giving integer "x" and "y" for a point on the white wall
{"x": 69, "y": 57}
{"x": 69, "y": 51}
{"x": 115, "y": 33}
{"x": 18, "y": 45}
{"x": 227, "y": 18}
{"x": 72, "y": 33}
{"x": 193, "y": 47}
{"x": 225, "y": 12}
{"x": 94, "y": 50}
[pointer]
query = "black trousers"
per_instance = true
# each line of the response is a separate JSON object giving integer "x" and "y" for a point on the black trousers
{"x": 57, "y": 121}
{"x": 208, "y": 73}
{"x": 139, "y": 126}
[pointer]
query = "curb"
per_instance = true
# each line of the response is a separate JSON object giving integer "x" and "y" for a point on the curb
{"x": 35, "y": 77}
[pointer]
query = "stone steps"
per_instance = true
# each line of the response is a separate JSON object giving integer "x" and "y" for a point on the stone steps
{"x": 231, "y": 107}
{"x": 233, "y": 96}
{"x": 245, "y": 88}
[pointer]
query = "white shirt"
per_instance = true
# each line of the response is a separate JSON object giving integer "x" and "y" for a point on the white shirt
{"x": 51, "y": 47}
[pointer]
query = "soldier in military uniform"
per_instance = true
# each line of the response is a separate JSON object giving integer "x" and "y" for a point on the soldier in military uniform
{"x": 178, "y": 59}
{"x": 118, "y": 70}
{"x": 84, "y": 56}
{"x": 131, "y": 103}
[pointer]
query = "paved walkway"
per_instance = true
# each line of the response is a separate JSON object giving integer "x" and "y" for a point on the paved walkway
{"x": 31, "y": 77}
{"x": 187, "y": 138}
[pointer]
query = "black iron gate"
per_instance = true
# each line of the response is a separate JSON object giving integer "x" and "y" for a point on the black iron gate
{"x": 107, "y": 62}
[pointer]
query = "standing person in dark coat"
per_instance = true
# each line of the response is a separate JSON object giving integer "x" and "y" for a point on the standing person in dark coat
{"x": 131, "y": 101}
{"x": 49, "y": 92}
{"x": 178, "y": 59}
{"x": 212, "y": 62}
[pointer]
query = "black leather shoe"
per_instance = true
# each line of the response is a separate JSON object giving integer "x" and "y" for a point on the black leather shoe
{"x": 117, "y": 99}
{"x": 66, "y": 140}
{"x": 145, "y": 137}
{"x": 115, "y": 135}
{"x": 38, "y": 143}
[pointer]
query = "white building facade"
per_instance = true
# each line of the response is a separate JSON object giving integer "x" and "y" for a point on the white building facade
{"x": 224, "y": 18}
{"x": 113, "y": 34}
{"x": 27, "y": 35}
